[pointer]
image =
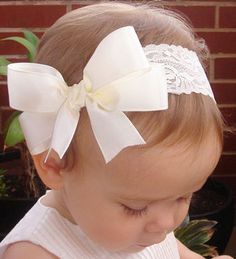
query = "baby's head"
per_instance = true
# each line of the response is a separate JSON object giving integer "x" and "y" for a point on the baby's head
{"x": 143, "y": 193}
{"x": 71, "y": 41}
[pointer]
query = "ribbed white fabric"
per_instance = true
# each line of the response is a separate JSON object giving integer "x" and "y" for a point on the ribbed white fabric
{"x": 44, "y": 226}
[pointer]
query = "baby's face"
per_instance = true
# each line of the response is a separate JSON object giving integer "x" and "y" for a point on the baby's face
{"x": 140, "y": 196}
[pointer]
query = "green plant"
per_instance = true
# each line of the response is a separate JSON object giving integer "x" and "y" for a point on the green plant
{"x": 195, "y": 234}
{"x": 11, "y": 186}
{"x": 12, "y": 133}
{"x": 12, "y": 130}
{"x": 3, "y": 186}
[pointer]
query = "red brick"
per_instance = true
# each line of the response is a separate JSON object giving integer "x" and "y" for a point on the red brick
{"x": 230, "y": 143}
{"x": 76, "y": 6}
{"x": 224, "y": 93}
{"x": 1, "y": 142}
{"x": 231, "y": 1}
{"x": 226, "y": 165}
{"x": 2, "y": 78}
{"x": 14, "y": 60}
{"x": 229, "y": 115}
{"x": 5, "y": 115}
{"x": 200, "y": 16}
{"x": 30, "y": 15}
{"x": 10, "y": 47}
{"x": 20, "y": 59}
{"x": 225, "y": 68}
{"x": 13, "y": 167}
{"x": 3, "y": 96}
{"x": 227, "y": 18}
{"x": 223, "y": 42}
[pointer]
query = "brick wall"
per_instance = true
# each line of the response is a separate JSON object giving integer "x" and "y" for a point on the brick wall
{"x": 213, "y": 20}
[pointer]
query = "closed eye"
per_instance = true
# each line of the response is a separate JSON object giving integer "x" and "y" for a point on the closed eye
{"x": 134, "y": 212}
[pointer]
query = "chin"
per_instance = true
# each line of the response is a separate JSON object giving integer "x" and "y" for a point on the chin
{"x": 133, "y": 249}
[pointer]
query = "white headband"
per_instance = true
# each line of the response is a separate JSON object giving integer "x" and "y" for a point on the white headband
{"x": 184, "y": 72}
{"x": 118, "y": 78}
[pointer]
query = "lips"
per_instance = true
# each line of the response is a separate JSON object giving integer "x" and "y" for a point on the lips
{"x": 145, "y": 245}
{"x": 153, "y": 243}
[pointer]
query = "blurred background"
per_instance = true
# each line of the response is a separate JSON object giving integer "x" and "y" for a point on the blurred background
{"x": 213, "y": 20}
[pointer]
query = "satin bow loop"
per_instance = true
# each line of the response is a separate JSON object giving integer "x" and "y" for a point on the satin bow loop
{"x": 116, "y": 79}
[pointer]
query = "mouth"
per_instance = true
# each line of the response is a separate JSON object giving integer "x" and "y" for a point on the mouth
{"x": 153, "y": 243}
{"x": 145, "y": 245}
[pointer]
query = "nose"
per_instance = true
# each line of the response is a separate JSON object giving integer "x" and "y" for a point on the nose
{"x": 160, "y": 225}
{"x": 162, "y": 221}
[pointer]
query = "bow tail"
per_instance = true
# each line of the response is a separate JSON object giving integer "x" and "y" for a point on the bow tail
{"x": 37, "y": 129}
{"x": 113, "y": 130}
{"x": 64, "y": 130}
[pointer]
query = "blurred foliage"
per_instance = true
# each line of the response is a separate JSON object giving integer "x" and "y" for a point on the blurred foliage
{"x": 12, "y": 131}
{"x": 3, "y": 187}
{"x": 195, "y": 234}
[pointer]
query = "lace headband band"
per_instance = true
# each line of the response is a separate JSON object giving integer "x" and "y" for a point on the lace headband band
{"x": 184, "y": 72}
{"x": 120, "y": 76}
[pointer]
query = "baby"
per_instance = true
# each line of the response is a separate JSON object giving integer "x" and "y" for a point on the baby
{"x": 126, "y": 145}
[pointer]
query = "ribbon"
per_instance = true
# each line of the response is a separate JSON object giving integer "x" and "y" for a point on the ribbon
{"x": 118, "y": 78}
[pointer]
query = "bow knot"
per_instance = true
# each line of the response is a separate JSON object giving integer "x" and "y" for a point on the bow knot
{"x": 76, "y": 96}
{"x": 106, "y": 97}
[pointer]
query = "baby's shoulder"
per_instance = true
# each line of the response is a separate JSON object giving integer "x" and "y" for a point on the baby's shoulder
{"x": 20, "y": 249}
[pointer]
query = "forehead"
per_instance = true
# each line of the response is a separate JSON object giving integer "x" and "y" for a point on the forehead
{"x": 162, "y": 171}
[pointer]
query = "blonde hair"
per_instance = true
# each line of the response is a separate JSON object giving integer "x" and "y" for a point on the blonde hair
{"x": 71, "y": 41}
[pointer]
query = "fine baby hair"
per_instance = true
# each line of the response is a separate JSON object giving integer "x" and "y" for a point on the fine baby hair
{"x": 71, "y": 41}
{"x": 122, "y": 126}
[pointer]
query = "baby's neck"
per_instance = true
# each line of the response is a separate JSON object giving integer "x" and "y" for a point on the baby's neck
{"x": 54, "y": 199}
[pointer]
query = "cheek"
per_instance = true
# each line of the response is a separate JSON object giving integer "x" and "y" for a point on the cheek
{"x": 114, "y": 235}
{"x": 107, "y": 228}
{"x": 103, "y": 221}
{"x": 181, "y": 213}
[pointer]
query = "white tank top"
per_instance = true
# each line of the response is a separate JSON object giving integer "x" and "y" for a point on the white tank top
{"x": 44, "y": 226}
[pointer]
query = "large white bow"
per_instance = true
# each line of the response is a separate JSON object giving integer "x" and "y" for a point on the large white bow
{"x": 116, "y": 79}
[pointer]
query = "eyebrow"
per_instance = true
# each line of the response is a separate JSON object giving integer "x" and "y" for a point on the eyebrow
{"x": 136, "y": 198}
{"x": 143, "y": 199}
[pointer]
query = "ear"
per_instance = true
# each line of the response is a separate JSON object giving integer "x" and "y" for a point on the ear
{"x": 49, "y": 171}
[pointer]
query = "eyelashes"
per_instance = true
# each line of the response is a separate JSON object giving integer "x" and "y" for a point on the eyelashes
{"x": 143, "y": 211}
{"x": 134, "y": 212}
